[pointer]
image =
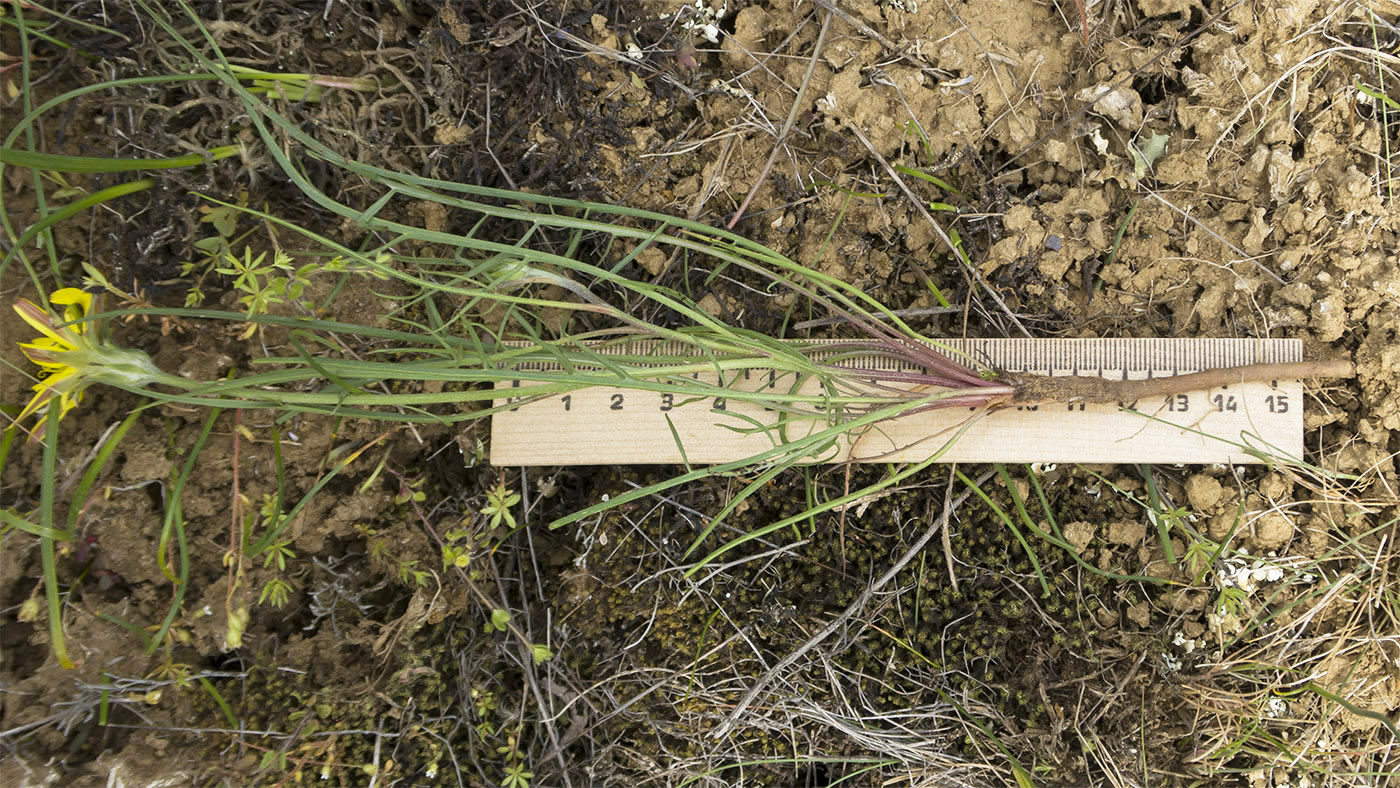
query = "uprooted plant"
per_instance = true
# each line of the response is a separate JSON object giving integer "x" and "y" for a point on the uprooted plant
{"x": 469, "y": 320}
{"x": 467, "y": 316}
{"x": 462, "y": 303}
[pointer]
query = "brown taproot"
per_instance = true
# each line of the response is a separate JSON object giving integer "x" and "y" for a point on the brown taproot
{"x": 1031, "y": 389}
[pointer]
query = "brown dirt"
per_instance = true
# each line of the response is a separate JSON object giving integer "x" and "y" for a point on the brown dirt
{"x": 1269, "y": 213}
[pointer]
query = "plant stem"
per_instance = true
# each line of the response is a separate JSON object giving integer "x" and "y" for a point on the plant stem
{"x": 1042, "y": 390}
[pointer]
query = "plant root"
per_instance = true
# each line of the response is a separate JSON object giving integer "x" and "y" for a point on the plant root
{"x": 1033, "y": 389}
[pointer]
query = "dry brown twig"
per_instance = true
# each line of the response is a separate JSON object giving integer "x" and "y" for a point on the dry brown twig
{"x": 850, "y": 612}
{"x": 938, "y": 230}
{"x": 787, "y": 124}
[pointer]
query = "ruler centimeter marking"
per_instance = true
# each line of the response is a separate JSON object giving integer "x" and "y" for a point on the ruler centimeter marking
{"x": 603, "y": 425}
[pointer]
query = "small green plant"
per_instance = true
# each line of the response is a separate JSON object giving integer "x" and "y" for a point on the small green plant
{"x": 1200, "y": 555}
{"x": 270, "y": 520}
{"x": 274, "y": 760}
{"x": 278, "y": 553}
{"x": 276, "y": 592}
{"x": 499, "y": 500}
{"x": 495, "y": 523}
{"x": 382, "y": 553}
{"x": 410, "y": 576}
{"x": 263, "y": 282}
{"x": 410, "y": 491}
{"x": 499, "y": 621}
{"x": 484, "y": 704}
{"x": 169, "y": 669}
{"x": 516, "y": 775}
{"x": 1231, "y": 602}
{"x": 213, "y": 249}
{"x": 458, "y": 546}
{"x": 258, "y": 281}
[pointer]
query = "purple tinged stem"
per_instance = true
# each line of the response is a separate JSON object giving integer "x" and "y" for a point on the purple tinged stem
{"x": 950, "y": 374}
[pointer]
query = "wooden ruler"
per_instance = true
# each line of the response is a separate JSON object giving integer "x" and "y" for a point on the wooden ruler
{"x": 612, "y": 426}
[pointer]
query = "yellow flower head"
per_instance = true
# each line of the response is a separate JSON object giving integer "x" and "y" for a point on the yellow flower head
{"x": 71, "y": 355}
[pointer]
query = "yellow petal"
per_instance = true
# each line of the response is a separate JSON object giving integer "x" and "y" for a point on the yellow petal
{"x": 68, "y": 402}
{"x": 38, "y": 318}
{"x": 72, "y": 295}
{"x": 44, "y": 351}
{"x": 41, "y": 396}
{"x": 51, "y": 380}
{"x": 42, "y": 400}
{"x": 77, "y": 304}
